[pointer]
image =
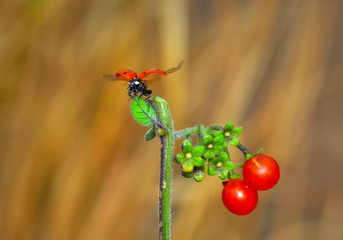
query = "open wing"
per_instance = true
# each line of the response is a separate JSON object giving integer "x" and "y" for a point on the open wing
{"x": 156, "y": 74}
{"x": 174, "y": 69}
{"x": 113, "y": 77}
{"x": 124, "y": 74}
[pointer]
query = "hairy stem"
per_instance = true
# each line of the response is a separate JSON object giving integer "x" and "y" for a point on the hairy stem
{"x": 167, "y": 140}
{"x": 243, "y": 149}
{"x": 185, "y": 133}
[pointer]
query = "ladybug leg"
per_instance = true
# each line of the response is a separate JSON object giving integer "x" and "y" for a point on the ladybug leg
{"x": 148, "y": 93}
{"x": 131, "y": 93}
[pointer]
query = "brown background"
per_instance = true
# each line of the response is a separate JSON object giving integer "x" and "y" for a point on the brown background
{"x": 74, "y": 164}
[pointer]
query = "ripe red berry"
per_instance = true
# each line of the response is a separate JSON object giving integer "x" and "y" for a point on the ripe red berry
{"x": 261, "y": 172}
{"x": 238, "y": 198}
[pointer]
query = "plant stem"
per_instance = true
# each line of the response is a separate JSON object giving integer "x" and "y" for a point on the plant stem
{"x": 243, "y": 149}
{"x": 186, "y": 132}
{"x": 167, "y": 140}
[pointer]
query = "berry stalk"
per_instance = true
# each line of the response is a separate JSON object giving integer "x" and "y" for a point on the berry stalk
{"x": 167, "y": 141}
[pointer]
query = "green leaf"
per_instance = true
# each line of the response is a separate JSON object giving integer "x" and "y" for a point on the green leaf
{"x": 150, "y": 134}
{"x": 248, "y": 156}
{"x": 142, "y": 112}
{"x": 187, "y": 146}
{"x": 234, "y": 141}
{"x": 260, "y": 151}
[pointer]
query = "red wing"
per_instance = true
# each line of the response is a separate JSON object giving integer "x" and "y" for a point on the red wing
{"x": 150, "y": 72}
{"x": 155, "y": 74}
{"x": 124, "y": 74}
{"x": 112, "y": 77}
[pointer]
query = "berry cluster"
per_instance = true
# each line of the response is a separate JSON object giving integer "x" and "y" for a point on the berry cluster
{"x": 211, "y": 156}
{"x": 260, "y": 172}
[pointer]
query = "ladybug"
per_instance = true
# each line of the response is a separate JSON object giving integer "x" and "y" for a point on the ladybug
{"x": 138, "y": 85}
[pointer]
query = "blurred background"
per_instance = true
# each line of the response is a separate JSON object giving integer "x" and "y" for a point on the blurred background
{"x": 74, "y": 164}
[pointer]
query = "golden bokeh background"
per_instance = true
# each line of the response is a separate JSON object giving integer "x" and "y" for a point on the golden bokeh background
{"x": 74, "y": 164}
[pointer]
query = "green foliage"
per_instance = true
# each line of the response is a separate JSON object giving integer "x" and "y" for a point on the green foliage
{"x": 142, "y": 112}
{"x": 211, "y": 155}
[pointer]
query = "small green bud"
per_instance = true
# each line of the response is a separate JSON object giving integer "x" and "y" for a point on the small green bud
{"x": 198, "y": 150}
{"x": 219, "y": 139}
{"x": 161, "y": 132}
{"x": 187, "y": 146}
{"x": 179, "y": 158}
{"x": 229, "y": 166}
{"x": 234, "y": 141}
{"x": 209, "y": 155}
{"x": 187, "y": 174}
{"x": 237, "y": 131}
{"x": 198, "y": 161}
{"x": 207, "y": 139}
{"x": 212, "y": 170}
{"x": 222, "y": 174}
{"x": 206, "y": 167}
{"x": 224, "y": 157}
{"x": 218, "y": 149}
{"x": 234, "y": 176}
{"x": 198, "y": 175}
{"x": 150, "y": 134}
{"x": 187, "y": 166}
{"x": 228, "y": 126}
{"x": 218, "y": 134}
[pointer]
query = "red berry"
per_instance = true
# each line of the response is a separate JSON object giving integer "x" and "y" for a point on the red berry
{"x": 261, "y": 172}
{"x": 238, "y": 198}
